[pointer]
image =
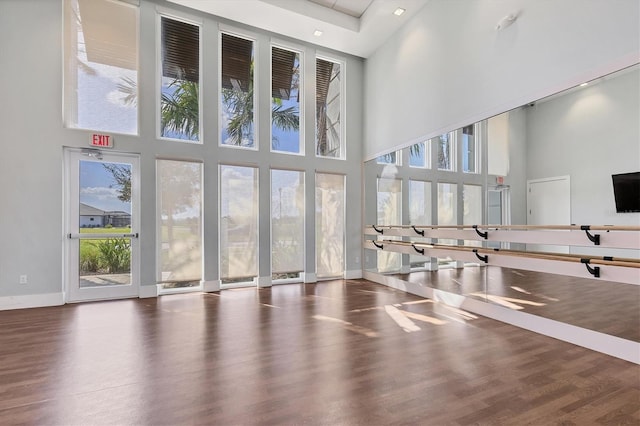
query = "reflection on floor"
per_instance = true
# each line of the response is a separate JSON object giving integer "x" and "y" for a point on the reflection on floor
{"x": 604, "y": 306}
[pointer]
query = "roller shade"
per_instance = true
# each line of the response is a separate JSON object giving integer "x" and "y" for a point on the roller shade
{"x": 110, "y": 33}
{"x": 282, "y": 65}
{"x": 180, "y": 50}
{"x": 237, "y": 59}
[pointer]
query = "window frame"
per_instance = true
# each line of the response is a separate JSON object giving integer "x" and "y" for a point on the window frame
{"x": 343, "y": 105}
{"x": 162, "y": 12}
{"x": 68, "y": 53}
{"x": 301, "y": 93}
{"x": 246, "y": 35}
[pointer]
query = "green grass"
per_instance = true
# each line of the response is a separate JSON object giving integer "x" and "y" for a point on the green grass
{"x": 105, "y": 230}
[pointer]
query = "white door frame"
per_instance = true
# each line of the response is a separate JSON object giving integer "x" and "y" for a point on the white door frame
{"x": 72, "y": 291}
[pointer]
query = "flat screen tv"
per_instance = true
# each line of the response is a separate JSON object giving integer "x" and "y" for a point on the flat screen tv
{"x": 626, "y": 191}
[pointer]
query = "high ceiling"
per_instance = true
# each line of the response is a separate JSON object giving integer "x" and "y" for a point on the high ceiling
{"x": 357, "y": 27}
{"x": 355, "y": 8}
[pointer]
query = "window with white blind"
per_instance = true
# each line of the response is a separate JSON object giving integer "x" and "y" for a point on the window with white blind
{"x": 179, "y": 91}
{"x": 472, "y": 209}
{"x": 447, "y": 214}
{"x": 419, "y": 213}
{"x": 179, "y": 196}
{"x": 237, "y": 97}
{"x": 330, "y": 225}
{"x": 101, "y": 66}
{"x": 389, "y": 212}
{"x": 238, "y": 224}
{"x": 329, "y": 109}
{"x": 285, "y": 101}
{"x": 287, "y": 224}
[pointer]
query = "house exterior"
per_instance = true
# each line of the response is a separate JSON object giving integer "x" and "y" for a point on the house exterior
{"x": 92, "y": 217}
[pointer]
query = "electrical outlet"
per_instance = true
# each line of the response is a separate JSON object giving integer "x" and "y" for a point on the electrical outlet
{"x": 23, "y": 279}
{"x": 357, "y": 260}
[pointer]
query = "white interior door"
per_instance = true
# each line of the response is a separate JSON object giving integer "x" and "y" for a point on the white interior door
{"x": 102, "y": 218}
{"x": 549, "y": 203}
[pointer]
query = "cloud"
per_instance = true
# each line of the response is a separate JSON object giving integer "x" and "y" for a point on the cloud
{"x": 100, "y": 192}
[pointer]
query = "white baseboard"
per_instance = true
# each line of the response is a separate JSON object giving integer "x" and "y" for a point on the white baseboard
{"x": 147, "y": 291}
{"x": 31, "y": 301}
{"x": 309, "y": 277}
{"x": 209, "y": 286}
{"x": 594, "y": 340}
{"x": 353, "y": 275}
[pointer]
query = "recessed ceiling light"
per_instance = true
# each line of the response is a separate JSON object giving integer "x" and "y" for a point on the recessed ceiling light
{"x": 399, "y": 11}
{"x": 583, "y": 84}
{"x": 317, "y": 33}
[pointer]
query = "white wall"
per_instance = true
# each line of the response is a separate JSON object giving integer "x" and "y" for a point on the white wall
{"x": 449, "y": 67}
{"x": 32, "y": 140}
{"x": 588, "y": 134}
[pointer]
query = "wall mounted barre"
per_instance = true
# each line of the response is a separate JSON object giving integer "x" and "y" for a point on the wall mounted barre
{"x": 418, "y": 232}
{"x": 602, "y": 260}
{"x": 607, "y": 268}
{"x": 481, "y": 234}
{"x": 623, "y": 237}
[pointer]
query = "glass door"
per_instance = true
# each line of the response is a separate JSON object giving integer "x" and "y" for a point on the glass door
{"x": 102, "y": 207}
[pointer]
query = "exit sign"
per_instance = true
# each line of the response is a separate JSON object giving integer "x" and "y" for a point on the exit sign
{"x": 101, "y": 141}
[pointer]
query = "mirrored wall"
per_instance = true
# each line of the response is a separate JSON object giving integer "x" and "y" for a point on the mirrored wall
{"x": 548, "y": 162}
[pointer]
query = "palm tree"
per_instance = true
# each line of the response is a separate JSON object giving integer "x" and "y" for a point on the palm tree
{"x": 180, "y": 108}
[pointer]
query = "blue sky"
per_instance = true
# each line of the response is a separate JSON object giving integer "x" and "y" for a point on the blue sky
{"x": 98, "y": 188}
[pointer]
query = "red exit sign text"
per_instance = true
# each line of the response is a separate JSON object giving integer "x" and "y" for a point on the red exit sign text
{"x": 102, "y": 141}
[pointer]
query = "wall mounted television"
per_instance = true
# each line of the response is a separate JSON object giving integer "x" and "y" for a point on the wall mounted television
{"x": 626, "y": 191}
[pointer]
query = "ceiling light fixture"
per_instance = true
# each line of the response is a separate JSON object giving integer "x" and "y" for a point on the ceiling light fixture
{"x": 317, "y": 33}
{"x": 399, "y": 11}
{"x": 583, "y": 84}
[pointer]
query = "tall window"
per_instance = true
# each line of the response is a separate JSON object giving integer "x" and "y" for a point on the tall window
{"x": 447, "y": 204}
{"x": 472, "y": 208}
{"x": 238, "y": 224}
{"x": 285, "y": 101}
{"x": 470, "y": 152}
{"x": 390, "y": 158}
{"x": 472, "y": 199}
{"x": 447, "y": 215}
{"x": 237, "y": 115}
{"x": 446, "y": 151}
{"x": 287, "y": 224}
{"x": 179, "y": 100}
{"x": 179, "y": 186}
{"x": 328, "y": 109}
{"x": 389, "y": 212}
{"x": 330, "y": 225}
{"x": 419, "y": 202}
{"x": 101, "y": 66}
{"x": 420, "y": 155}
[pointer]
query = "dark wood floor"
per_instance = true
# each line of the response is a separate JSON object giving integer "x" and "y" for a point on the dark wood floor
{"x": 604, "y": 306}
{"x": 333, "y": 353}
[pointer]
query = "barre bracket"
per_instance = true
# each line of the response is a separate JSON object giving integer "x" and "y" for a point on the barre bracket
{"x": 484, "y": 258}
{"x": 379, "y": 231}
{"x": 594, "y": 238}
{"x": 380, "y": 246}
{"x": 595, "y": 271}
{"x": 421, "y": 233}
{"x": 482, "y": 234}
{"x": 421, "y": 251}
